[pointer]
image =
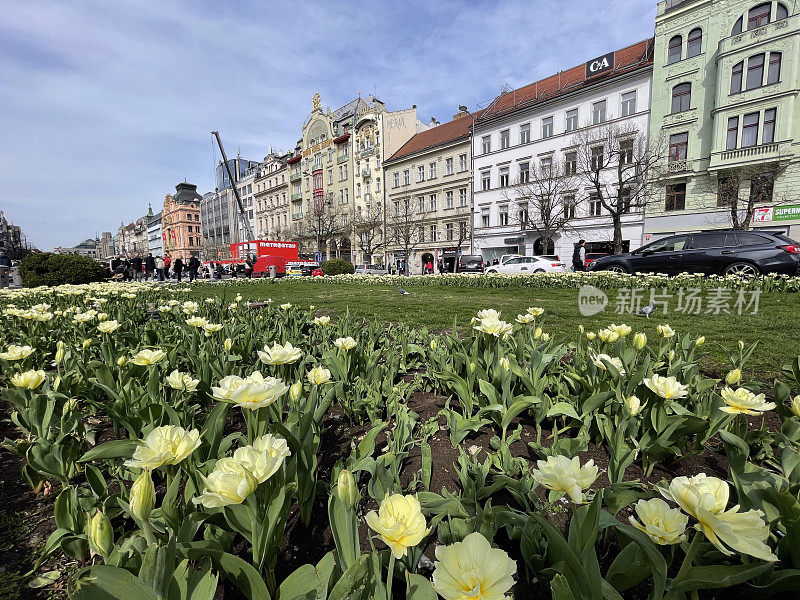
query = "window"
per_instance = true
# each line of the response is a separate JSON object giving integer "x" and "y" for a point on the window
{"x": 505, "y": 139}
{"x": 503, "y": 176}
{"x": 546, "y": 164}
{"x": 547, "y": 127}
{"x": 330, "y": 176}
{"x": 737, "y": 27}
{"x": 694, "y": 43}
{"x": 486, "y": 179}
{"x": 462, "y": 162}
{"x": 571, "y": 163}
{"x": 433, "y": 233}
{"x": 676, "y": 197}
{"x": 774, "y": 71}
{"x": 462, "y": 229}
{"x": 678, "y": 146}
{"x": 569, "y": 207}
{"x": 595, "y": 205}
{"x": 432, "y": 170}
{"x": 422, "y": 233}
{"x": 758, "y": 16}
{"x": 420, "y": 173}
{"x": 628, "y": 103}
{"x": 597, "y": 158}
{"x": 522, "y": 216}
{"x": 448, "y": 166}
{"x": 572, "y": 119}
{"x": 755, "y": 71}
{"x": 750, "y": 130}
{"x": 733, "y": 133}
{"x": 485, "y": 217}
{"x": 524, "y": 172}
{"x": 358, "y": 189}
{"x": 681, "y": 97}
{"x": 625, "y": 199}
{"x": 768, "y": 134}
{"x": 781, "y": 12}
{"x": 432, "y": 203}
{"x": 449, "y": 231}
{"x": 448, "y": 199}
{"x": 675, "y": 243}
{"x": 674, "y": 50}
{"x": 761, "y": 187}
{"x": 626, "y": 152}
{"x": 462, "y": 197}
{"x": 525, "y": 133}
{"x": 396, "y": 180}
{"x": 736, "y": 77}
{"x": 503, "y": 215}
{"x": 598, "y": 112}
{"x": 486, "y": 144}
{"x": 396, "y": 209}
{"x": 421, "y": 204}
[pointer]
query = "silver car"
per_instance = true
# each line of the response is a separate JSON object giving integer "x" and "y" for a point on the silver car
{"x": 371, "y": 270}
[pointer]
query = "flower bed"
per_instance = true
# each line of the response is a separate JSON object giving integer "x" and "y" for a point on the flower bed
{"x": 196, "y": 448}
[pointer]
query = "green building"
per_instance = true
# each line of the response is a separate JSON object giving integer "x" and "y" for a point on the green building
{"x": 725, "y": 111}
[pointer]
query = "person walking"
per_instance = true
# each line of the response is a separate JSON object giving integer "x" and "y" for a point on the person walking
{"x": 428, "y": 268}
{"x": 149, "y": 266}
{"x": 126, "y": 268}
{"x": 136, "y": 265}
{"x": 167, "y": 263}
{"x": 248, "y": 268}
{"x": 194, "y": 265}
{"x": 5, "y": 269}
{"x": 160, "y": 268}
{"x": 177, "y": 267}
{"x": 579, "y": 256}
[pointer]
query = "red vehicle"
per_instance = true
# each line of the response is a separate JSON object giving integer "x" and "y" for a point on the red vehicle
{"x": 593, "y": 256}
{"x": 264, "y": 253}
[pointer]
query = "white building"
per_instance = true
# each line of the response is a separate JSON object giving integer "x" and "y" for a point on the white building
{"x": 155, "y": 242}
{"x": 526, "y": 130}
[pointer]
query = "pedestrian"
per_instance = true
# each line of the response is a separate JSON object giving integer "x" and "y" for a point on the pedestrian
{"x": 160, "y": 268}
{"x": 136, "y": 266}
{"x": 114, "y": 264}
{"x": 428, "y": 268}
{"x": 126, "y": 268}
{"x": 149, "y": 266}
{"x": 220, "y": 271}
{"x": 194, "y": 265}
{"x": 177, "y": 267}
{"x": 248, "y": 268}
{"x": 167, "y": 263}
{"x": 5, "y": 269}
{"x": 579, "y": 256}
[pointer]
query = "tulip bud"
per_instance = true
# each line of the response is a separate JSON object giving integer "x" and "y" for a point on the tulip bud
{"x": 61, "y": 348}
{"x": 700, "y": 341}
{"x": 238, "y": 298}
{"x": 56, "y": 383}
{"x": 634, "y": 404}
{"x": 346, "y": 489}
{"x": 580, "y": 329}
{"x": 733, "y": 377}
{"x": 143, "y": 496}
{"x": 795, "y": 406}
{"x": 100, "y": 534}
{"x": 228, "y": 344}
{"x": 472, "y": 367}
{"x": 86, "y": 344}
{"x": 433, "y": 344}
{"x": 537, "y": 333}
{"x": 671, "y": 355}
{"x": 590, "y": 335}
{"x": 296, "y": 391}
{"x": 102, "y": 317}
{"x": 741, "y": 345}
{"x": 545, "y": 337}
{"x": 121, "y": 361}
{"x": 505, "y": 364}
{"x": 639, "y": 340}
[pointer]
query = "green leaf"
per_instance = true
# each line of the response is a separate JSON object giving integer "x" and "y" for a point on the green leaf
{"x": 300, "y": 584}
{"x": 419, "y": 588}
{"x": 240, "y": 572}
{"x": 354, "y": 582}
{"x": 563, "y": 408}
{"x": 718, "y": 576}
{"x": 44, "y": 579}
{"x": 112, "y": 449}
{"x": 104, "y": 582}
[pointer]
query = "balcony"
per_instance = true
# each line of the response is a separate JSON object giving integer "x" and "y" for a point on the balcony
{"x": 770, "y": 31}
{"x": 762, "y": 153}
{"x": 342, "y": 159}
{"x": 296, "y": 176}
{"x": 368, "y": 152}
{"x": 298, "y": 196}
{"x": 297, "y": 216}
{"x": 366, "y": 173}
{"x": 367, "y": 198}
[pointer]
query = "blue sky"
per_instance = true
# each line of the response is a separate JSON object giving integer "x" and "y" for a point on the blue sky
{"x": 105, "y": 106}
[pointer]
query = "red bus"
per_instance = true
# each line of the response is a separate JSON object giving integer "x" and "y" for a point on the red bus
{"x": 263, "y": 253}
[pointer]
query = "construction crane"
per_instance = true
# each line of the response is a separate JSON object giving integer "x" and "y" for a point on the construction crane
{"x": 242, "y": 213}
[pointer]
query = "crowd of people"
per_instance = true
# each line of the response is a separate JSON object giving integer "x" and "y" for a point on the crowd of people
{"x": 153, "y": 268}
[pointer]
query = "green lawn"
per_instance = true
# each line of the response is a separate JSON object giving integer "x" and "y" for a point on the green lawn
{"x": 774, "y": 327}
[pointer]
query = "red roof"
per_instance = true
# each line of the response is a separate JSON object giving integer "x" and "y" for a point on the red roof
{"x": 342, "y": 138}
{"x": 436, "y": 136}
{"x": 293, "y": 160}
{"x": 625, "y": 60}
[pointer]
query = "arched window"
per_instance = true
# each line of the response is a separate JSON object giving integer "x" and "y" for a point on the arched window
{"x": 758, "y": 16}
{"x": 681, "y": 97}
{"x": 781, "y": 12}
{"x": 737, "y": 27}
{"x": 674, "y": 51}
{"x": 736, "y": 77}
{"x": 694, "y": 45}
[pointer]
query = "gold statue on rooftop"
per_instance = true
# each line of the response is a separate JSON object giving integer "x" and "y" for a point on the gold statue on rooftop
{"x": 317, "y": 100}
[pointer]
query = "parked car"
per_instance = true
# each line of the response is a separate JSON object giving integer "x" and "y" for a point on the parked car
{"x": 470, "y": 263}
{"x": 593, "y": 256}
{"x": 554, "y": 257}
{"x": 529, "y": 264}
{"x": 371, "y": 270}
{"x": 721, "y": 252}
{"x": 506, "y": 257}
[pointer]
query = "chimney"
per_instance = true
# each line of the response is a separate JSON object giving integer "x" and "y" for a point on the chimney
{"x": 433, "y": 123}
{"x": 462, "y": 112}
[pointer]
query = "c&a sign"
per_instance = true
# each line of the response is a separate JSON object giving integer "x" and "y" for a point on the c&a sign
{"x": 599, "y": 65}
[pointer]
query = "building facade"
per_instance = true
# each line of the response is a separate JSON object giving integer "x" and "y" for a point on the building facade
{"x": 428, "y": 212}
{"x": 219, "y": 210}
{"x": 180, "y": 222}
{"x": 106, "y": 245}
{"x": 534, "y": 158}
{"x": 336, "y": 176}
{"x": 271, "y": 196}
{"x": 725, "y": 96}
{"x": 88, "y": 247}
{"x": 155, "y": 240}
{"x": 11, "y": 240}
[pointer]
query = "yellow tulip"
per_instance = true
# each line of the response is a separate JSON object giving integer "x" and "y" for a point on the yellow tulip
{"x": 743, "y": 401}
{"x": 504, "y": 362}
{"x": 61, "y": 349}
{"x": 100, "y": 534}
{"x": 229, "y": 483}
{"x": 794, "y": 405}
{"x": 108, "y": 326}
{"x": 639, "y": 340}
{"x": 17, "y": 352}
{"x": 666, "y": 387}
{"x": 280, "y": 355}
{"x": 319, "y": 375}
{"x": 295, "y": 391}
{"x": 143, "y": 496}
{"x": 535, "y": 311}
{"x": 165, "y": 445}
{"x": 345, "y": 343}
{"x": 566, "y": 475}
{"x": 700, "y": 341}
{"x": 228, "y": 344}
{"x": 197, "y": 321}
{"x": 600, "y": 361}
{"x": 665, "y": 331}
{"x": 181, "y": 381}
{"x": 525, "y": 319}
{"x": 286, "y": 306}
{"x": 399, "y": 522}
{"x": 148, "y": 357}
{"x": 322, "y": 321}
{"x": 664, "y": 525}
{"x": 633, "y": 404}
{"x": 29, "y": 380}
{"x": 733, "y": 377}
{"x": 346, "y": 489}
{"x": 608, "y": 335}
{"x": 472, "y": 569}
{"x": 253, "y": 392}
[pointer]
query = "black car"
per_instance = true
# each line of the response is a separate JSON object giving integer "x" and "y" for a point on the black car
{"x": 720, "y": 252}
{"x": 470, "y": 263}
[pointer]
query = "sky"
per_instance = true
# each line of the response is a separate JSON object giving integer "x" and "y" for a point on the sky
{"x": 106, "y": 106}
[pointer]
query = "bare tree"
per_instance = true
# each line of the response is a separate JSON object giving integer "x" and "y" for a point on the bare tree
{"x": 368, "y": 228}
{"x": 618, "y": 162}
{"x": 742, "y": 190}
{"x": 403, "y": 228}
{"x": 542, "y": 198}
{"x": 324, "y": 221}
{"x": 461, "y": 237}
